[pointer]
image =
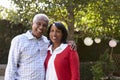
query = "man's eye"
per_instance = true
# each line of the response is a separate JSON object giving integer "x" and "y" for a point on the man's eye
{"x": 44, "y": 25}
{"x": 38, "y": 23}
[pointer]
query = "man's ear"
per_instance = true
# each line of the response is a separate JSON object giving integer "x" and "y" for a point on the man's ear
{"x": 31, "y": 23}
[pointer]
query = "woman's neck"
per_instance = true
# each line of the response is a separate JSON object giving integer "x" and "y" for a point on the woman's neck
{"x": 55, "y": 45}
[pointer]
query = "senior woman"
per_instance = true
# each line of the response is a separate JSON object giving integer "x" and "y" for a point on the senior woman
{"x": 62, "y": 62}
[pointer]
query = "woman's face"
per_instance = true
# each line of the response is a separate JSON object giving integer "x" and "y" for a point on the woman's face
{"x": 55, "y": 34}
{"x": 38, "y": 28}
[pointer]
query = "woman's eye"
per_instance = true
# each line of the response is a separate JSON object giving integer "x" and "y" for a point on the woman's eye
{"x": 51, "y": 30}
{"x": 59, "y": 31}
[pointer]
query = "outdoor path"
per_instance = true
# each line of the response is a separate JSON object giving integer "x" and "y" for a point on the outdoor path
{"x": 1, "y": 77}
{"x": 2, "y": 71}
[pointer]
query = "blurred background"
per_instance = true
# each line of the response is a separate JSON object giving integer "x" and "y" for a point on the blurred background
{"x": 93, "y": 24}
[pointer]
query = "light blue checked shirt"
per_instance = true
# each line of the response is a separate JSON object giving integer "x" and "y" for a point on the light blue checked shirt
{"x": 26, "y": 58}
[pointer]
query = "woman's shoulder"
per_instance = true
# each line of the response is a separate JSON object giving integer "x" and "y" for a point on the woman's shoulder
{"x": 70, "y": 50}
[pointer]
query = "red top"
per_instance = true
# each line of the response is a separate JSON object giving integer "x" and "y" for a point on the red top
{"x": 66, "y": 64}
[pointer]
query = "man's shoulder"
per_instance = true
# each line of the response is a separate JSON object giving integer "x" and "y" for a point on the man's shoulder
{"x": 45, "y": 39}
{"x": 18, "y": 37}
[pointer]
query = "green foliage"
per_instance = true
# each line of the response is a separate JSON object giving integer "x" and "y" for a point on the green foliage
{"x": 85, "y": 70}
{"x": 97, "y": 71}
{"x": 7, "y": 31}
{"x": 95, "y": 18}
{"x": 100, "y": 17}
{"x": 58, "y": 10}
{"x": 103, "y": 67}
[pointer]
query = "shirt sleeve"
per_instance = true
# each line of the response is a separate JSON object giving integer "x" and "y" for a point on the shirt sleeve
{"x": 13, "y": 58}
{"x": 74, "y": 65}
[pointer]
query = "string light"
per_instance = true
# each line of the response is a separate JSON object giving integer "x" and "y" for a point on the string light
{"x": 97, "y": 40}
{"x": 88, "y": 41}
{"x": 112, "y": 43}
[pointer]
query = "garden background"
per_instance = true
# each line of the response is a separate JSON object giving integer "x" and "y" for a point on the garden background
{"x": 85, "y": 19}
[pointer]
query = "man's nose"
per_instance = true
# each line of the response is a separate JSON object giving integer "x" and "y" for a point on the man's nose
{"x": 41, "y": 26}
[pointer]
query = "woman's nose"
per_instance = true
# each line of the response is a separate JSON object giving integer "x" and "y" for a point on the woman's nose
{"x": 54, "y": 33}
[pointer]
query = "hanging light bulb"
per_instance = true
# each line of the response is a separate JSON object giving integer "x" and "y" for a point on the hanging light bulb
{"x": 88, "y": 41}
{"x": 112, "y": 43}
{"x": 97, "y": 40}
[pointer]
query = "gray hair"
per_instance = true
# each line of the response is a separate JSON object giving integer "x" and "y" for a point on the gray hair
{"x": 41, "y": 16}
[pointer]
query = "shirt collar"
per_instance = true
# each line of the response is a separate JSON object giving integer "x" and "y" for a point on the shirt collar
{"x": 29, "y": 35}
{"x": 58, "y": 49}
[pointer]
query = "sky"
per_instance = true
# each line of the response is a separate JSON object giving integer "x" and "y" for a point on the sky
{"x": 5, "y": 3}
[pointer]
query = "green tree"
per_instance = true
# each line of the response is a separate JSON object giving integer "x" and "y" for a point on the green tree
{"x": 102, "y": 17}
{"x": 8, "y": 30}
{"x": 92, "y": 17}
{"x": 67, "y": 11}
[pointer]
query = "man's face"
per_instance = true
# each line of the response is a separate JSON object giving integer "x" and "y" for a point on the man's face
{"x": 38, "y": 28}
